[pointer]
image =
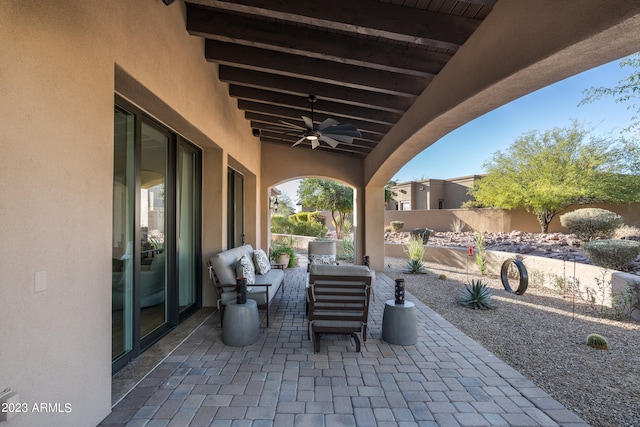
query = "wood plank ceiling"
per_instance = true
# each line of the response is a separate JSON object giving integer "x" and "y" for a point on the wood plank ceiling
{"x": 366, "y": 61}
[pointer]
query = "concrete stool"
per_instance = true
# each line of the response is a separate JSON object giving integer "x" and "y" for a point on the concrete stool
{"x": 241, "y": 324}
{"x": 399, "y": 323}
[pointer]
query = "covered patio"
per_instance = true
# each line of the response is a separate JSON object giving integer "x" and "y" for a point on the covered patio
{"x": 138, "y": 141}
{"x": 446, "y": 379}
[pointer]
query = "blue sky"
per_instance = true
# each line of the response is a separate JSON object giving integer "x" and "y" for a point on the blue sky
{"x": 463, "y": 151}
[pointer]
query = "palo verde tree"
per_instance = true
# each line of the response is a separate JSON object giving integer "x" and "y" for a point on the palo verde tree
{"x": 548, "y": 172}
{"x": 328, "y": 195}
{"x": 626, "y": 92}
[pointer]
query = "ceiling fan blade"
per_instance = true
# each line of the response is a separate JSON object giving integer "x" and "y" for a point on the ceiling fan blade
{"x": 314, "y": 143}
{"x": 327, "y": 123}
{"x": 299, "y": 141}
{"x": 291, "y": 125}
{"x": 346, "y": 129}
{"x": 341, "y": 138}
{"x": 332, "y": 142}
{"x": 308, "y": 122}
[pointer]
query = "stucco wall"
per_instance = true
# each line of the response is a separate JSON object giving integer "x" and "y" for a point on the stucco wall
{"x": 63, "y": 61}
{"x": 496, "y": 220}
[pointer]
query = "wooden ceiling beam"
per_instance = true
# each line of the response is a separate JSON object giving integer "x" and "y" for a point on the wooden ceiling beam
{"x": 273, "y": 117}
{"x": 276, "y": 35}
{"x": 294, "y": 114}
{"x": 320, "y": 106}
{"x": 302, "y": 87}
{"x": 376, "y": 19}
{"x": 314, "y": 69}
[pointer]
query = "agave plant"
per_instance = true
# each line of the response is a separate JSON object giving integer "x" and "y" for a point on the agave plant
{"x": 476, "y": 295}
{"x": 414, "y": 266}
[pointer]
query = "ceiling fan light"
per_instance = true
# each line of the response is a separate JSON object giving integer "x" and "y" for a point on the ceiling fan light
{"x": 312, "y": 137}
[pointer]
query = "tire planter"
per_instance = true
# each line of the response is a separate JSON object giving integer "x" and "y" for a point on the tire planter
{"x": 522, "y": 270}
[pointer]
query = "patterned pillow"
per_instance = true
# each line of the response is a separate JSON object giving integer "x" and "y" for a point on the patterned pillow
{"x": 322, "y": 259}
{"x": 261, "y": 261}
{"x": 245, "y": 268}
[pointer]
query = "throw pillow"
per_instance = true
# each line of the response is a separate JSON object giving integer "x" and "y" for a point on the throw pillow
{"x": 245, "y": 268}
{"x": 322, "y": 259}
{"x": 261, "y": 261}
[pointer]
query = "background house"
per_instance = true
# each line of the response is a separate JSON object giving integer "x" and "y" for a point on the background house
{"x": 431, "y": 193}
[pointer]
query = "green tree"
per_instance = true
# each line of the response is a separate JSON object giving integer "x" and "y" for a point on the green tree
{"x": 388, "y": 194}
{"x": 546, "y": 173}
{"x": 328, "y": 195}
{"x": 627, "y": 90}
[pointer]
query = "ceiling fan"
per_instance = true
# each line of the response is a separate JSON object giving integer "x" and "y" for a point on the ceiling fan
{"x": 329, "y": 131}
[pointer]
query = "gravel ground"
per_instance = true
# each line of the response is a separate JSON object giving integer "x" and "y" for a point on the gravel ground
{"x": 542, "y": 335}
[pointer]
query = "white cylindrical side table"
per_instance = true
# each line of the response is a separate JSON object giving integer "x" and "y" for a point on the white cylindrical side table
{"x": 241, "y": 324}
{"x": 399, "y": 323}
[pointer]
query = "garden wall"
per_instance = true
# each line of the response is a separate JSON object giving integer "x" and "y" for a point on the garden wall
{"x": 490, "y": 220}
{"x": 551, "y": 273}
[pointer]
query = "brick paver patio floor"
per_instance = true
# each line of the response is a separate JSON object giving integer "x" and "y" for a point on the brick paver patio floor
{"x": 446, "y": 379}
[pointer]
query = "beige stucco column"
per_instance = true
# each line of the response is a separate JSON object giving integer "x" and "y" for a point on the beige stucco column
{"x": 374, "y": 226}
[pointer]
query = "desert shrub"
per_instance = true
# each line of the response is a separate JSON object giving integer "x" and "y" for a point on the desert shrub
{"x": 308, "y": 228}
{"x": 628, "y": 232}
{"x": 300, "y": 217}
{"x": 613, "y": 254}
{"x": 457, "y": 225}
{"x": 481, "y": 255}
{"x": 415, "y": 251}
{"x": 281, "y": 225}
{"x": 396, "y": 226}
{"x": 421, "y": 233}
{"x": 317, "y": 217}
{"x": 591, "y": 223}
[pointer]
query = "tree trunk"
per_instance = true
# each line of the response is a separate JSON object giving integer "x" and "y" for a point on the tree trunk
{"x": 544, "y": 218}
{"x": 336, "y": 225}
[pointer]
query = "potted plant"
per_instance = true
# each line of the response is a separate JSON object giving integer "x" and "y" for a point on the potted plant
{"x": 281, "y": 253}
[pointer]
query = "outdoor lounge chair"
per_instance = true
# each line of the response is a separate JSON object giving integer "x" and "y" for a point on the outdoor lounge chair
{"x": 338, "y": 305}
{"x": 321, "y": 252}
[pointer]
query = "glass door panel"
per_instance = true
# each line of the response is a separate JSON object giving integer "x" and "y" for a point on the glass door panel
{"x": 122, "y": 237}
{"x": 153, "y": 266}
{"x": 235, "y": 209}
{"x": 187, "y": 212}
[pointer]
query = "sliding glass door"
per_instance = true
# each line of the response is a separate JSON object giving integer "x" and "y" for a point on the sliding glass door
{"x": 188, "y": 237}
{"x": 156, "y": 232}
{"x": 122, "y": 239}
{"x": 152, "y": 222}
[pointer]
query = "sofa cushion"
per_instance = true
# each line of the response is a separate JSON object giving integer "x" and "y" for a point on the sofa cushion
{"x": 261, "y": 261}
{"x": 224, "y": 264}
{"x": 246, "y": 269}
